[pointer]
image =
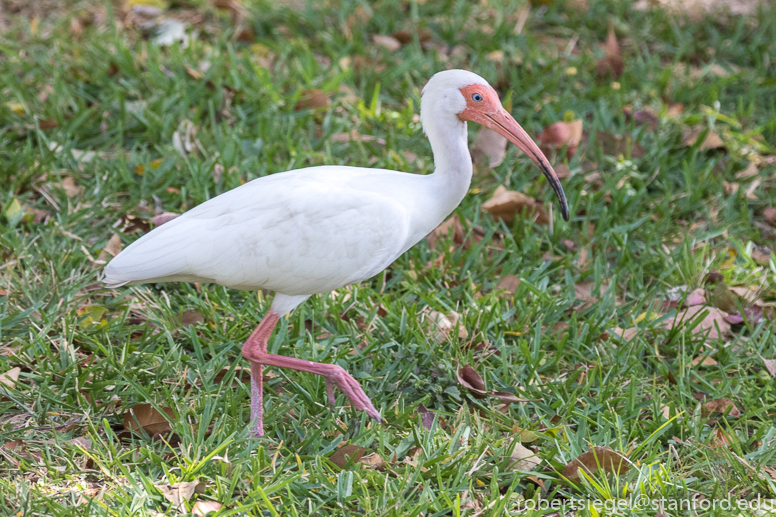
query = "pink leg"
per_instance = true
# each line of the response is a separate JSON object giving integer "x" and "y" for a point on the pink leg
{"x": 255, "y": 350}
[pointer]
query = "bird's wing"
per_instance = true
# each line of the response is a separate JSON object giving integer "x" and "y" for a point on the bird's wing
{"x": 293, "y": 234}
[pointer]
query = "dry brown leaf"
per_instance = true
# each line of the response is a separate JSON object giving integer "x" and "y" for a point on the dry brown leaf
{"x": 388, "y": 42}
{"x": 165, "y": 217}
{"x": 720, "y": 406}
{"x": 178, "y": 493}
{"x": 489, "y": 147}
{"x": 312, "y": 99}
{"x": 761, "y": 255}
{"x": 597, "y": 457}
{"x": 80, "y": 441}
{"x": 451, "y": 226}
{"x": 713, "y": 320}
{"x": 426, "y": 417}
{"x": 750, "y": 171}
{"x": 704, "y": 361}
{"x": 11, "y": 377}
{"x": 145, "y": 416}
{"x": 202, "y": 508}
{"x": 71, "y": 189}
{"x": 191, "y": 318}
{"x": 471, "y": 380}
{"x": 770, "y": 214}
{"x": 509, "y": 284}
{"x": 712, "y": 140}
{"x": 645, "y": 116}
{"x": 444, "y": 324}
{"x": 561, "y": 134}
{"x": 770, "y": 365}
{"x": 562, "y": 171}
{"x": 719, "y": 438}
{"x": 613, "y": 63}
{"x": 625, "y": 334}
{"x": 111, "y": 249}
{"x": 506, "y": 204}
{"x": 354, "y": 136}
{"x": 341, "y": 456}
{"x": 523, "y": 458}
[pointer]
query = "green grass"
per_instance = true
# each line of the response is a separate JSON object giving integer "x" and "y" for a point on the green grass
{"x": 658, "y": 221}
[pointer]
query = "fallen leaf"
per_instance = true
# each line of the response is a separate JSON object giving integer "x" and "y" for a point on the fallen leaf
{"x": 70, "y": 188}
{"x": 489, "y": 147}
{"x": 761, "y": 255}
{"x": 388, "y": 42}
{"x": 597, "y": 457}
{"x": 691, "y": 134}
{"x": 509, "y": 284}
{"x": 85, "y": 443}
{"x": 770, "y": 365}
{"x": 562, "y": 171}
{"x": 405, "y": 37}
{"x": 178, "y": 493}
{"x": 48, "y": 123}
{"x": 202, "y": 508}
{"x": 146, "y": 417}
{"x": 643, "y": 116}
{"x": 506, "y": 204}
{"x": 770, "y": 214}
{"x": 612, "y": 63}
{"x": 11, "y": 377}
{"x": 713, "y": 320}
{"x": 522, "y": 458}
{"x": 625, "y": 334}
{"x": 444, "y": 324}
{"x": 191, "y": 318}
{"x": 312, "y": 99}
{"x": 561, "y": 134}
{"x": 426, "y": 417}
{"x": 184, "y": 137}
{"x": 241, "y": 374}
{"x": 443, "y": 231}
{"x": 171, "y": 31}
{"x": 720, "y": 406}
{"x": 496, "y": 56}
{"x": 166, "y": 217}
{"x": 112, "y": 248}
{"x": 704, "y": 361}
{"x": 471, "y": 380}
{"x": 750, "y": 171}
{"x": 341, "y": 456}
{"x": 719, "y": 438}
{"x": 91, "y": 316}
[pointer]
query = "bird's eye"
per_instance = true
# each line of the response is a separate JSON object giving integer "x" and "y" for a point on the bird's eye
{"x": 477, "y": 97}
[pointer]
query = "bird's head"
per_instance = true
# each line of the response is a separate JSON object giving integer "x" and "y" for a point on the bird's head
{"x": 473, "y": 99}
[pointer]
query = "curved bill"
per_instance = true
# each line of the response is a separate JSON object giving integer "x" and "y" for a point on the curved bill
{"x": 504, "y": 124}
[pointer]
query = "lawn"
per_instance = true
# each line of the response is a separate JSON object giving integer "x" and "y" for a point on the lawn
{"x": 637, "y": 338}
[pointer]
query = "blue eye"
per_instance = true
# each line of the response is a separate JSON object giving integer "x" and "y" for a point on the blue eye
{"x": 477, "y": 97}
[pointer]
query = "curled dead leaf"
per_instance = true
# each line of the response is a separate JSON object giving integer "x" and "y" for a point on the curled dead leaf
{"x": 471, "y": 380}
{"x": 388, "y": 42}
{"x": 560, "y": 134}
{"x": 445, "y": 324}
{"x": 714, "y": 321}
{"x": 202, "y": 508}
{"x": 612, "y": 64}
{"x": 721, "y": 406}
{"x": 506, "y": 204}
{"x": 312, "y": 99}
{"x": 146, "y": 417}
{"x": 522, "y": 458}
{"x": 690, "y": 136}
{"x": 597, "y": 458}
{"x": 11, "y": 377}
{"x": 341, "y": 456}
{"x": 508, "y": 284}
{"x": 166, "y": 217}
{"x": 191, "y": 318}
{"x": 178, "y": 493}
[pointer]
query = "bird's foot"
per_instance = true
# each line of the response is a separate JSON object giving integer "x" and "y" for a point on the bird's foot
{"x": 351, "y": 388}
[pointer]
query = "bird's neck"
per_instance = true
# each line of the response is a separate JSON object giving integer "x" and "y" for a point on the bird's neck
{"x": 452, "y": 162}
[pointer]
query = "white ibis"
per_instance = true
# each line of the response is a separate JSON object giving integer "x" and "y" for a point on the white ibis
{"x": 312, "y": 230}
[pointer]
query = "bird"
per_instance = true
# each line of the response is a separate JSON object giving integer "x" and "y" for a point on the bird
{"x": 309, "y": 231}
